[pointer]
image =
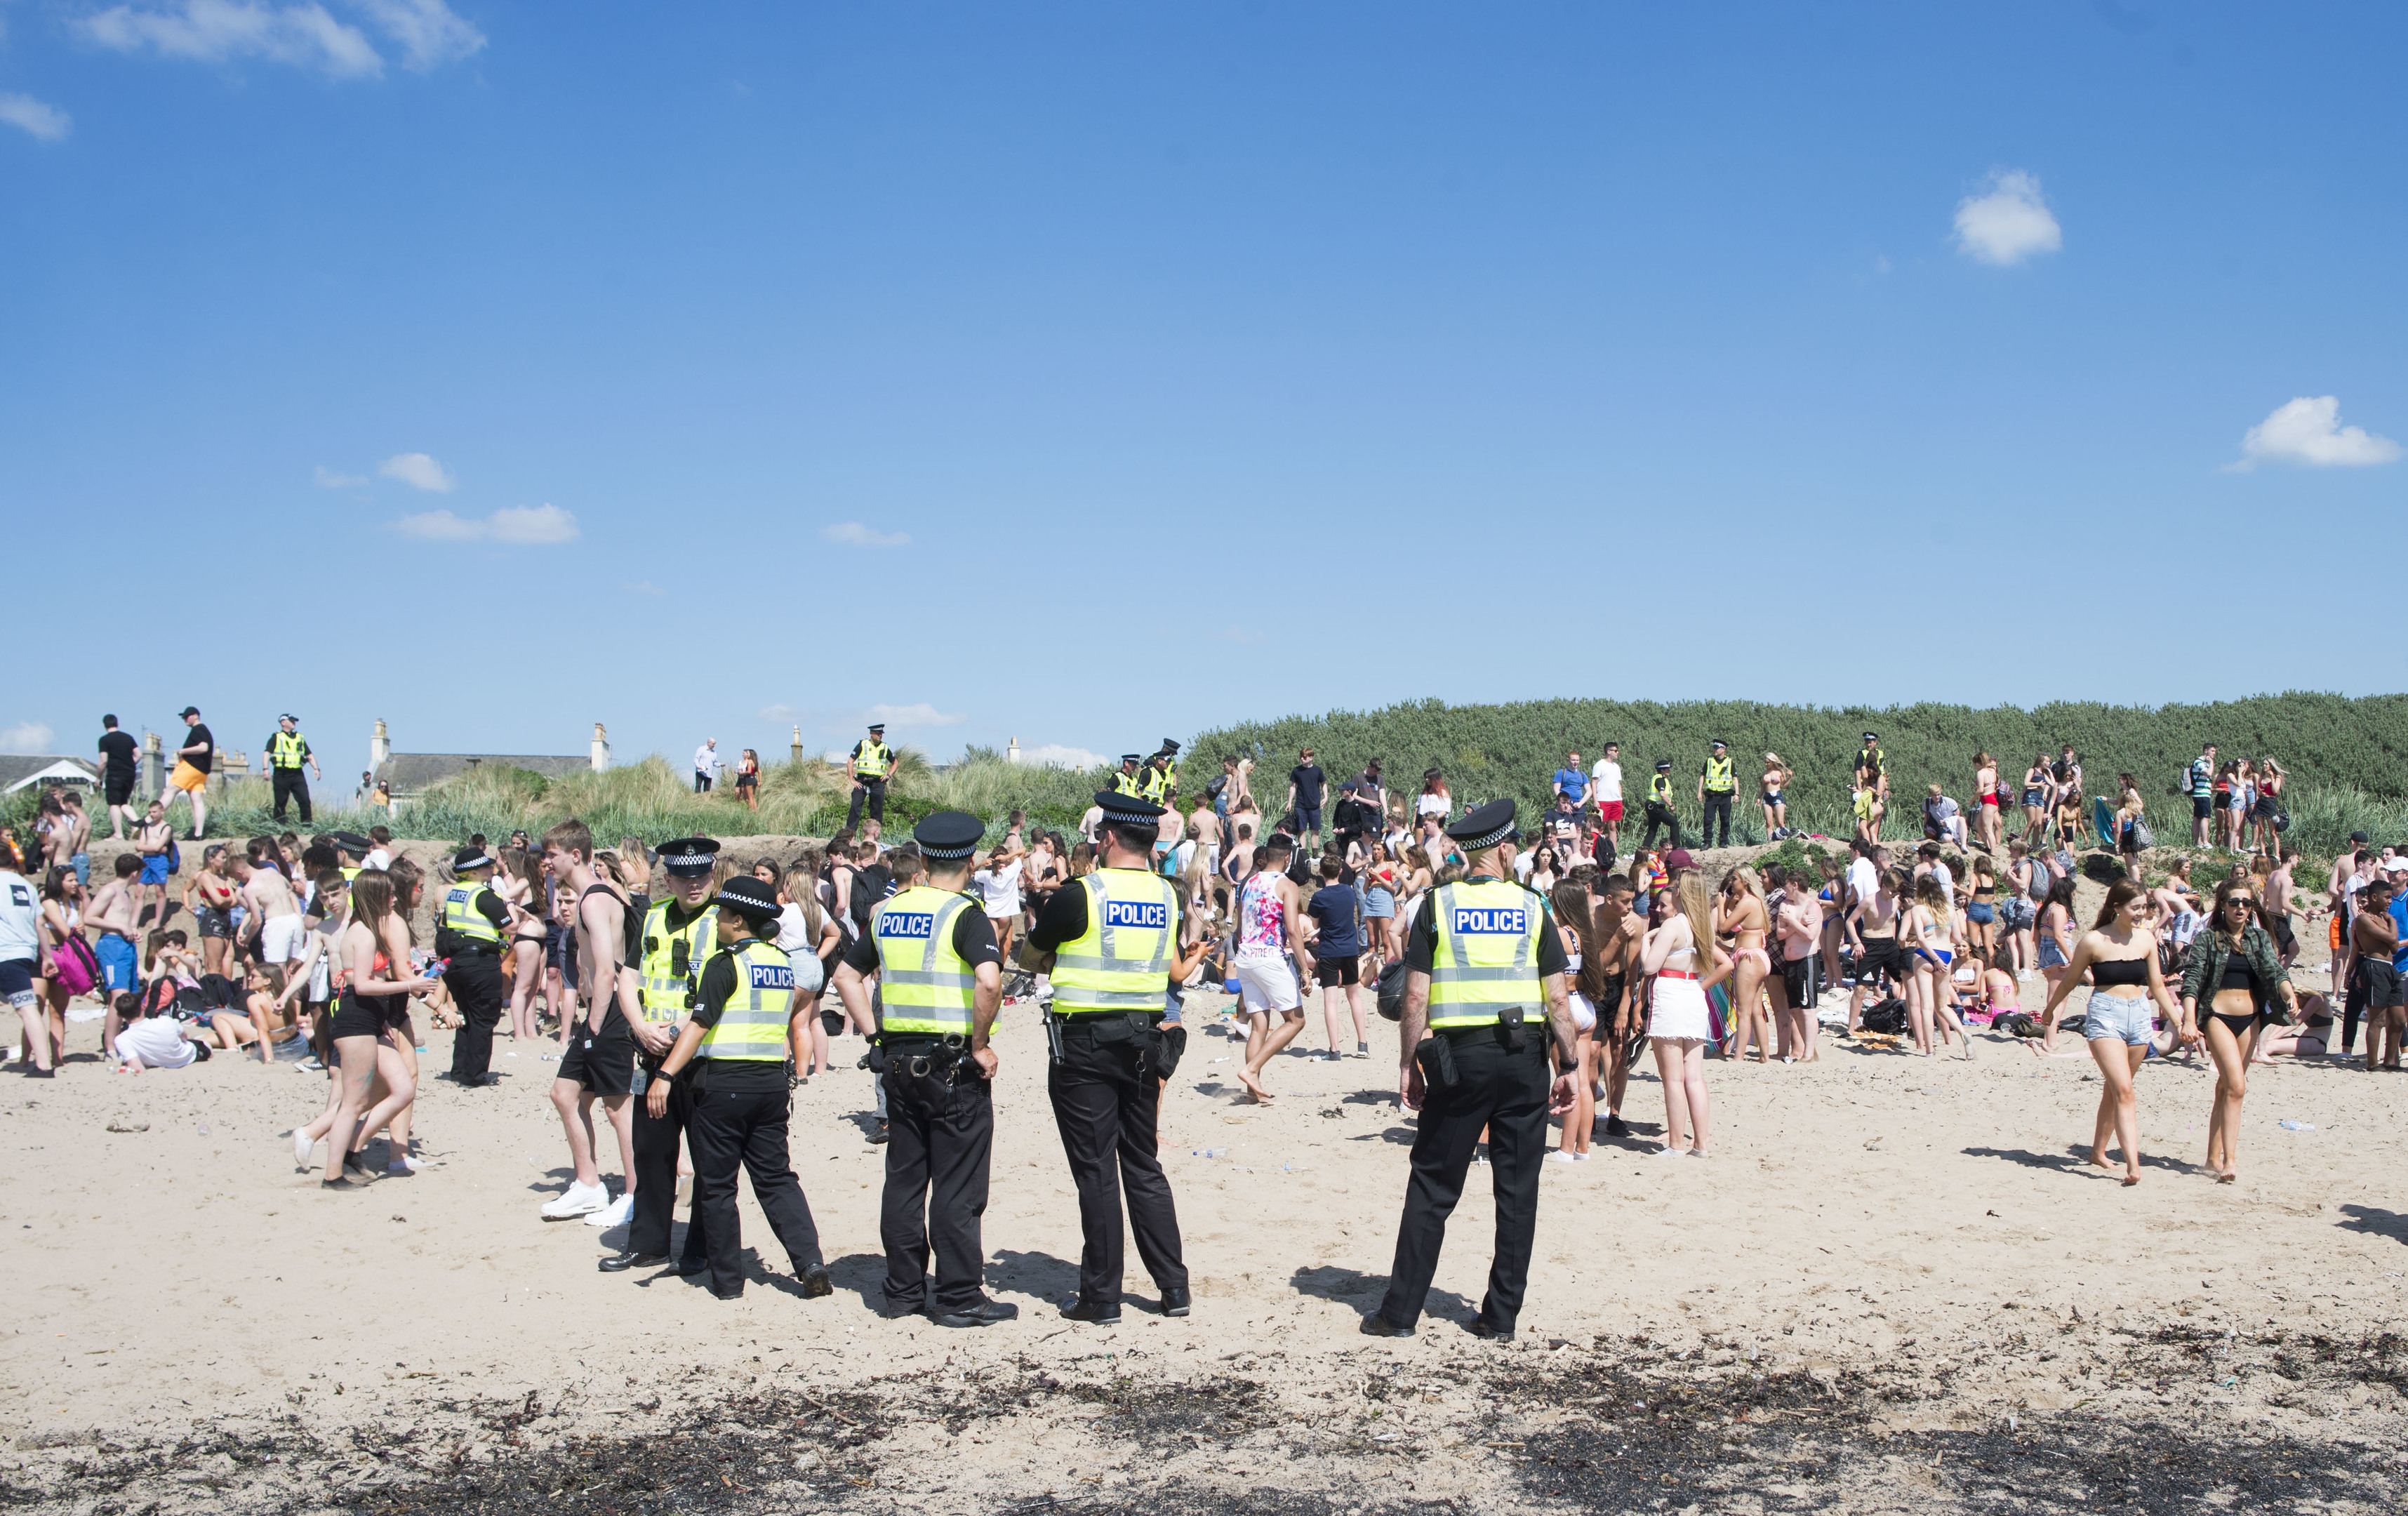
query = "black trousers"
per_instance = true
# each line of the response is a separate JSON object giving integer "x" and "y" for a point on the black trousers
{"x": 873, "y": 791}
{"x": 1505, "y": 1092}
{"x": 1104, "y": 1100}
{"x": 480, "y": 990}
{"x": 650, "y": 1220}
{"x": 939, "y": 1140}
{"x": 1718, "y": 806}
{"x": 1660, "y": 814}
{"x": 701, "y": 782}
{"x": 2354, "y": 1007}
{"x": 290, "y": 784}
{"x": 746, "y": 1129}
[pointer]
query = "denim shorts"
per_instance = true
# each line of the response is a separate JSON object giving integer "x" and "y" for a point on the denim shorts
{"x": 2127, "y": 1020}
{"x": 2051, "y": 955}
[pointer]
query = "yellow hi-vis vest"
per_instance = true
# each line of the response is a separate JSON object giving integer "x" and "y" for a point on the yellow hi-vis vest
{"x": 1158, "y": 784}
{"x": 460, "y": 913}
{"x": 284, "y": 750}
{"x": 752, "y": 1023}
{"x": 1125, "y": 782}
{"x": 1659, "y": 789}
{"x": 663, "y": 989}
{"x": 923, "y": 985}
{"x": 1122, "y": 963}
{"x": 870, "y": 761}
{"x": 1718, "y": 777}
{"x": 1487, "y": 951}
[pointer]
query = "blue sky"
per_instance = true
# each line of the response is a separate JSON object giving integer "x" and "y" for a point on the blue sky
{"x": 711, "y": 371}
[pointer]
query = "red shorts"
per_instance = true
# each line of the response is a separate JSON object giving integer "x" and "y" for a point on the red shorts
{"x": 1989, "y": 800}
{"x": 1609, "y": 810}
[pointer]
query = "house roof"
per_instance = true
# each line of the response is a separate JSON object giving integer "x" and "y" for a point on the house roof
{"x": 410, "y": 773}
{"x": 18, "y": 770}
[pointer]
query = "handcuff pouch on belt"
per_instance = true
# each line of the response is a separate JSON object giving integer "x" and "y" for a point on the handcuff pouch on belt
{"x": 1163, "y": 1046}
{"x": 1436, "y": 1056}
{"x": 937, "y": 1058}
{"x": 1517, "y": 1032}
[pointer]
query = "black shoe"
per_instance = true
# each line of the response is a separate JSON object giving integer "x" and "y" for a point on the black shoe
{"x": 986, "y": 1314}
{"x": 351, "y": 1163}
{"x": 1093, "y": 1312}
{"x": 1480, "y": 1328}
{"x": 1616, "y": 1126}
{"x": 622, "y": 1261}
{"x": 894, "y": 1312}
{"x": 42, "y": 1073}
{"x": 736, "y": 1294}
{"x": 1377, "y": 1325}
{"x": 685, "y": 1269}
{"x": 878, "y": 1135}
{"x": 1175, "y": 1300}
{"x": 816, "y": 1282}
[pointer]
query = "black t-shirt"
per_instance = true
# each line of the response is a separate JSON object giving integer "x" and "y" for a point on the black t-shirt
{"x": 1310, "y": 782}
{"x": 117, "y": 752}
{"x": 205, "y": 759}
{"x": 1421, "y": 947}
{"x": 1064, "y": 918}
{"x": 973, "y": 939}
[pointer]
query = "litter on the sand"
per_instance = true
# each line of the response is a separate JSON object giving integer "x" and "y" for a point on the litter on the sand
{"x": 2295, "y": 1127}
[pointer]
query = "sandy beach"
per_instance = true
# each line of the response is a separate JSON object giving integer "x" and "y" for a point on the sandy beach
{"x": 1884, "y": 1249}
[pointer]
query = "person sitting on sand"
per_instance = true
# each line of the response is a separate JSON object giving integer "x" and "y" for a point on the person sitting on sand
{"x": 146, "y": 1041}
{"x": 2308, "y": 1035}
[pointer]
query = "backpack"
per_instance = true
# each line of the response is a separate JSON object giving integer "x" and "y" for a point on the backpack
{"x": 1889, "y": 1017}
{"x": 1391, "y": 994}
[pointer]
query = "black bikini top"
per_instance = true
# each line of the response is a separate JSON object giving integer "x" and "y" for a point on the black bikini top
{"x": 2239, "y": 975}
{"x": 2120, "y": 972}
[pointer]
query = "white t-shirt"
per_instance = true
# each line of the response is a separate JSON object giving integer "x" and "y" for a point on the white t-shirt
{"x": 155, "y": 1042}
{"x": 706, "y": 760}
{"x": 1864, "y": 879}
{"x": 1522, "y": 865}
{"x": 1092, "y": 819}
{"x": 20, "y": 916}
{"x": 794, "y": 933}
{"x": 1000, "y": 888}
{"x": 1606, "y": 775}
{"x": 376, "y": 858}
{"x": 1947, "y": 880}
{"x": 1438, "y": 805}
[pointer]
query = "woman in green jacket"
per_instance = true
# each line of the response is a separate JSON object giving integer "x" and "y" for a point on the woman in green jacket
{"x": 2234, "y": 971}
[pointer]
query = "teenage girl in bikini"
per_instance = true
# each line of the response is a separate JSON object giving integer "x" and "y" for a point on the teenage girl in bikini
{"x": 1740, "y": 915}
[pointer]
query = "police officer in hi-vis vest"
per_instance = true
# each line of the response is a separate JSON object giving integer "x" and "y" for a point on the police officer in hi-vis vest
{"x": 1716, "y": 784}
{"x": 730, "y": 1060}
{"x": 1159, "y": 784}
{"x": 679, "y": 933}
{"x": 872, "y": 760}
{"x": 1484, "y": 989}
{"x": 1659, "y": 806}
{"x": 287, "y": 750}
{"x": 470, "y": 930}
{"x": 1112, "y": 939}
{"x": 941, "y": 978}
{"x": 1130, "y": 777}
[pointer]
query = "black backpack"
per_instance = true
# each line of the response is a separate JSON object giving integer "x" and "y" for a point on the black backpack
{"x": 1889, "y": 1017}
{"x": 1391, "y": 994}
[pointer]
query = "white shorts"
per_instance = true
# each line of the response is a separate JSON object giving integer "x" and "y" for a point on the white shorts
{"x": 1678, "y": 1011}
{"x": 1583, "y": 1013}
{"x": 1267, "y": 984}
{"x": 283, "y": 937}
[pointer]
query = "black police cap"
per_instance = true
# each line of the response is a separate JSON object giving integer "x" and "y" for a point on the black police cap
{"x": 1486, "y": 826}
{"x": 1128, "y": 810}
{"x": 1132, "y": 757}
{"x": 948, "y": 834}
{"x": 1169, "y": 745}
{"x": 468, "y": 858}
{"x": 1663, "y": 764}
{"x": 747, "y": 897}
{"x": 353, "y": 843}
{"x": 690, "y": 857}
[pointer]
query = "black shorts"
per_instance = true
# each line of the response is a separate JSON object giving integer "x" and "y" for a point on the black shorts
{"x": 1335, "y": 973}
{"x": 1797, "y": 979}
{"x": 1883, "y": 956}
{"x": 358, "y": 1015}
{"x": 17, "y": 979}
{"x": 2202, "y": 808}
{"x": 2383, "y": 985}
{"x": 215, "y": 921}
{"x": 119, "y": 790}
{"x": 604, "y": 1062}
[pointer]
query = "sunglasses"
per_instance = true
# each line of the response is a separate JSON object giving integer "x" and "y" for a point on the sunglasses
{"x": 2243, "y": 901}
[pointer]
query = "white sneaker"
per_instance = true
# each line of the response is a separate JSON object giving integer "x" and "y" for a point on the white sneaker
{"x": 406, "y": 1165}
{"x": 580, "y": 1200}
{"x": 613, "y": 1214}
{"x": 301, "y": 1145}
{"x": 1559, "y": 1156}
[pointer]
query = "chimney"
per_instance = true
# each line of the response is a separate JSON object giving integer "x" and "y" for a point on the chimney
{"x": 1012, "y": 755}
{"x": 380, "y": 747}
{"x": 154, "y": 766}
{"x": 798, "y": 749}
{"x": 601, "y": 748}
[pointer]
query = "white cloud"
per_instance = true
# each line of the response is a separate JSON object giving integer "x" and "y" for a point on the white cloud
{"x": 417, "y": 471}
{"x": 47, "y": 122}
{"x": 34, "y": 737}
{"x": 519, "y": 526}
{"x": 923, "y": 714}
{"x": 326, "y": 479}
{"x": 219, "y": 30}
{"x": 1055, "y": 755}
{"x": 2307, "y": 432}
{"x": 428, "y": 31}
{"x": 645, "y": 587}
{"x": 855, "y": 535}
{"x": 2008, "y": 222}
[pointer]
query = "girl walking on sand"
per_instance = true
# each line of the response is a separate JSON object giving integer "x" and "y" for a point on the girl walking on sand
{"x": 2120, "y": 953}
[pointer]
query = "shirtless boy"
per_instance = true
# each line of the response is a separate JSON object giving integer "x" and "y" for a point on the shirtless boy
{"x": 271, "y": 919}
{"x": 1617, "y": 932}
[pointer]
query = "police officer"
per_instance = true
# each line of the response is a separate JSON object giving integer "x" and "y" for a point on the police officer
{"x": 1130, "y": 779}
{"x": 679, "y": 933}
{"x": 1716, "y": 784}
{"x": 1659, "y": 805}
{"x": 470, "y": 930}
{"x": 941, "y": 978}
{"x": 1111, "y": 936}
{"x": 1482, "y": 960}
{"x": 1161, "y": 777}
{"x": 731, "y": 1058}
{"x": 872, "y": 760}
{"x": 287, "y": 750}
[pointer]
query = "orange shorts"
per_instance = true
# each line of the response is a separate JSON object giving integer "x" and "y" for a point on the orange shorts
{"x": 187, "y": 778}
